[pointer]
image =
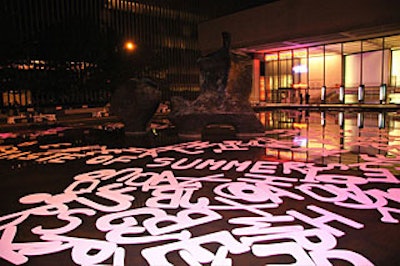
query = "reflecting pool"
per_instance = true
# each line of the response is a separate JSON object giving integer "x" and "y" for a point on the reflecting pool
{"x": 332, "y": 136}
{"x": 319, "y": 188}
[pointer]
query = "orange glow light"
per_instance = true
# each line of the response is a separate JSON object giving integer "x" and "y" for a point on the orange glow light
{"x": 271, "y": 57}
{"x": 299, "y": 125}
{"x": 300, "y": 53}
{"x": 130, "y": 46}
{"x": 285, "y": 55}
{"x": 299, "y": 86}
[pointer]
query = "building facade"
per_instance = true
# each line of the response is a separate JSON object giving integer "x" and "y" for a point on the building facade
{"x": 69, "y": 53}
{"x": 308, "y": 51}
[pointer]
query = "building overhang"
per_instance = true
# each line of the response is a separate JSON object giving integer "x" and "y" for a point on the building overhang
{"x": 345, "y": 36}
{"x": 292, "y": 24}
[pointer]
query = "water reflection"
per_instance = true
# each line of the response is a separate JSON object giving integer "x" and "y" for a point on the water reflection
{"x": 291, "y": 135}
{"x": 317, "y": 133}
{"x": 259, "y": 190}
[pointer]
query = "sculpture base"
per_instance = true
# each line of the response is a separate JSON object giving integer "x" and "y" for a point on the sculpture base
{"x": 243, "y": 125}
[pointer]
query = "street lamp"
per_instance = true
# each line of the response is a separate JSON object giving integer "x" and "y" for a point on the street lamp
{"x": 129, "y": 46}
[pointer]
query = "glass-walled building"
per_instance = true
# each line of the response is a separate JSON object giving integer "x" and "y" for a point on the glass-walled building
{"x": 316, "y": 51}
{"x": 363, "y": 71}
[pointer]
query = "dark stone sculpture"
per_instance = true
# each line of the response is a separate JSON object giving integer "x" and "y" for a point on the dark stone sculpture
{"x": 135, "y": 102}
{"x": 225, "y": 82}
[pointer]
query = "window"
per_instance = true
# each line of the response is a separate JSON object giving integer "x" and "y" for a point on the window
{"x": 316, "y": 67}
{"x": 395, "y": 74}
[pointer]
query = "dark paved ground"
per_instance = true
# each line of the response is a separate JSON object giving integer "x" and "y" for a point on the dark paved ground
{"x": 86, "y": 196}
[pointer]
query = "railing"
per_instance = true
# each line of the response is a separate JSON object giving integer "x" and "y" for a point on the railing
{"x": 368, "y": 95}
